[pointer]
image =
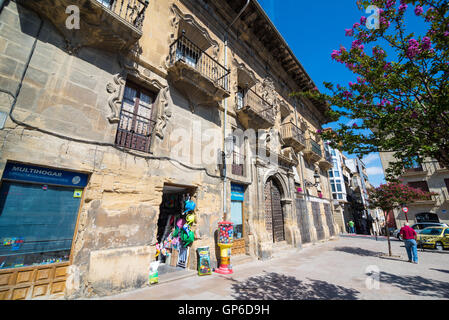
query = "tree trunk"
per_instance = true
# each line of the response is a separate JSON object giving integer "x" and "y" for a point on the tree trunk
{"x": 388, "y": 234}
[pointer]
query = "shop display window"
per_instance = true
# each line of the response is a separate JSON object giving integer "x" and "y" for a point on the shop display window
{"x": 37, "y": 223}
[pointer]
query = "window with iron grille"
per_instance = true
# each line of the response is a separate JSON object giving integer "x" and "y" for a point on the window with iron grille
{"x": 136, "y": 124}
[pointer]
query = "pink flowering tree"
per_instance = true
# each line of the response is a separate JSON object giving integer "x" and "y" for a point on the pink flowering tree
{"x": 400, "y": 100}
{"x": 394, "y": 195}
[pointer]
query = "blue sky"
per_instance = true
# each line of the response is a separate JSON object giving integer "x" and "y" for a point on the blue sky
{"x": 312, "y": 30}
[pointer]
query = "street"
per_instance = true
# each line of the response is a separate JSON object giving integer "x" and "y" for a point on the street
{"x": 347, "y": 268}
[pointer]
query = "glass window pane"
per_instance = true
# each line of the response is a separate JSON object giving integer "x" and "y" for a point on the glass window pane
{"x": 236, "y": 218}
{"x": 337, "y": 173}
{"x": 339, "y": 187}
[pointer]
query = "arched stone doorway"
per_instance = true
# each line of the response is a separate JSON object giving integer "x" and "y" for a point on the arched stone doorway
{"x": 274, "y": 215}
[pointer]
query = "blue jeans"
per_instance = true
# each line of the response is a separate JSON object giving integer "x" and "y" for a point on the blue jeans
{"x": 412, "y": 250}
{"x": 351, "y": 230}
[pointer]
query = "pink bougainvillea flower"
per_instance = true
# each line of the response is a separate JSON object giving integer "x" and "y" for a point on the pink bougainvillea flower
{"x": 426, "y": 43}
{"x": 418, "y": 10}
{"x": 349, "y": 32}
{"x": 354, "y": 125}
{"x": 390, "y": 3}
{"x": 402, "y": 8}
{"x": 413, "y": 48}
{"x": 356, "y": 25}
{"x": 335, "y": 54}
{"x": 397, "y": 108}
{"x": 362, "y": 20}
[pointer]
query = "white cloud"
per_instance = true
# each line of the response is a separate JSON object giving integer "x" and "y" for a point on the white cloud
{"x": 374, "y": 171}
{"x": 370, "y": 158}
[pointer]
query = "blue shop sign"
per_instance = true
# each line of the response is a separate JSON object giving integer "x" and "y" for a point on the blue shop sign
{"x": 237, "y": 192}
{"x": 27, "y": 173}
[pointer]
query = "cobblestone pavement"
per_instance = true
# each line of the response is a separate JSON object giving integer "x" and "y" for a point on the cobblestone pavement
{"x": 350, "y": 267}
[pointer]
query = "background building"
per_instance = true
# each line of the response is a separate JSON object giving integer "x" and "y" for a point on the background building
{"x": 427, "y": 175}
{"x": 349, "y": 186}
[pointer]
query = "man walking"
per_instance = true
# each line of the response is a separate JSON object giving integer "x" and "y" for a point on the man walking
{"x": 351, "y": 226}
{"x": 409, "y": 236}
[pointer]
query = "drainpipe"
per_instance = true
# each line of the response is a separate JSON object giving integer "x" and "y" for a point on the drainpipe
{"x": 226, "y": 110}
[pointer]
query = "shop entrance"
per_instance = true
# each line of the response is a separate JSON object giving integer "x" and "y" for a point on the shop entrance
{"x": 237, "y": 198}
{"x": 39, "y": 209}
{"x": 273, "y": 210}
{"x": 173, "y": 252}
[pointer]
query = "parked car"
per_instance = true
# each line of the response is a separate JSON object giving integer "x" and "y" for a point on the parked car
{"x": 434, "y": 237}
{"x": 418, "y": 227}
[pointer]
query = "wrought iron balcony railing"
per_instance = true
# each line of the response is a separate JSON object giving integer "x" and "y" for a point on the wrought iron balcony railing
{"x": 259, "y": 104}
{"x": 291, "y": 131}
{"x": 238, "y": 161}
{"x": 315, "y": 147}
{"x": 182, "y": 49}
{"x": 132, "y": 11}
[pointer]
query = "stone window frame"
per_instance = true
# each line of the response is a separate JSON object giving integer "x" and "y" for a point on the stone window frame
{"x": 151, "y": 121}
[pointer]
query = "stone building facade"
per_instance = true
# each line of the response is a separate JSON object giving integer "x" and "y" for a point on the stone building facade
{"x": 141, "y": 105}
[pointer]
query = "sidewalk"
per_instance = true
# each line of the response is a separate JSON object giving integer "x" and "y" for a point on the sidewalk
{"x": 350, "y": 267}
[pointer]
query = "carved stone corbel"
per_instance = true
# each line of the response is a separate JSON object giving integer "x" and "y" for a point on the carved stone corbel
{"x": 115, "y": 100}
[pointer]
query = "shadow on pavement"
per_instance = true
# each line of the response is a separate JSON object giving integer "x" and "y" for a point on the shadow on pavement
{"x": 359, "y": 251}
{"x": 275, "y": 286}
{"x": 445, "y": 271}
{"x": 417, "y": 285}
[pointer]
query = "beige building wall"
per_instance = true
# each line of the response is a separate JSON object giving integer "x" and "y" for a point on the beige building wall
{"x": 67, "y": 114}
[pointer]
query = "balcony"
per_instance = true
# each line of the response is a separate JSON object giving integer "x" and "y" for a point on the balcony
{"x": 326, "y": 162}
{"x": 431, "y": 201}
{"x": 440, "y": 168}
{"x": 111, "y": 25}
{"x": 254, "y": 112}
{"x": 238, "y": 161}
{"x": 417, "y": 170}
{"x": 196, "y": 73}
{"x": 312, "y": 151}
{"x": 293, "y": 136}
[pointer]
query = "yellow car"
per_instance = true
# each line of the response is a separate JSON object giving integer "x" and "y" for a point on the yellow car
{"x": 434, "y": 237}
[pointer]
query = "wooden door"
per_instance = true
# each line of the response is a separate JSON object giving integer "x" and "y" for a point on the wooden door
{"x": 273, "y": 211}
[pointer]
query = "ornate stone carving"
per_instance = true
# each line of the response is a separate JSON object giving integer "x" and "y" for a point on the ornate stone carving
{"x": 176, "y": 17}
{"x": 268, "y": 92}
{"x": 115, "y": 89}
{"x": 164, "y": 112}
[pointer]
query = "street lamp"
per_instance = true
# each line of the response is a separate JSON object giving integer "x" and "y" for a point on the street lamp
{"x": 316, "y": 176}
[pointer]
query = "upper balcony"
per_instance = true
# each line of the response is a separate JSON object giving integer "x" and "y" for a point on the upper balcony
{"x": 112, "y": 25}
{"x": 312, "y": 151}
{"x": 200, "y": 76}
{"x": 293, "y": 136}
{"x": 431, "y": 201}
{"x": 440, "y": 168}
{"x": 416, "y": 170}
{"x": 325, "y": 162}
{"x": 255, "y": 112}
